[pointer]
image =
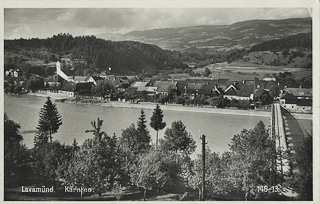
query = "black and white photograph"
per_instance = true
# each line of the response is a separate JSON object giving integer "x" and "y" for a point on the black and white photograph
{"x": 124, "y": 102}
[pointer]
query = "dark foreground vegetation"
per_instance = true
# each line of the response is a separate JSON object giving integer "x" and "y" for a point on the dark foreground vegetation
{"x": 130, "y": 167}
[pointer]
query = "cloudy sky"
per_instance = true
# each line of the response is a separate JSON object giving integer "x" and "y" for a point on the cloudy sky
{"x": 43, "y": 23}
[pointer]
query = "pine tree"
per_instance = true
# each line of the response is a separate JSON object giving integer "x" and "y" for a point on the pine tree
{"x": 157, "y": 121}
{"x": 144, "y": 136}
{"x": 177, "y": 139}
{"x": 50, "y": 119}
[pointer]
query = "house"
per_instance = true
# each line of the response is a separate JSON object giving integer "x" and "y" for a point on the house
{"x": 192, "y": 89}
{"x": 122, "y": 88}
{"x": 212, "y": 90}
{"x": 72, "y": 89}
{"x": 52, "y": 81}
{"x": 300, "y": 93}
{"x": 240, "y": 91}
{"x": 181, "y": 87}
{"x": 94, "y": 79}
{"x": 165, "y": 87}
{"x": 293, "y": 104}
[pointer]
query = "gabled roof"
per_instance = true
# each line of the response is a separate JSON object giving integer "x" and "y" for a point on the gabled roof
{"x": 97, "y": 78}
{"x": 243, "y": 89}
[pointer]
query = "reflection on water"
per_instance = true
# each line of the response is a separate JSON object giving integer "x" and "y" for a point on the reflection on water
{"x": 76, "y": 119}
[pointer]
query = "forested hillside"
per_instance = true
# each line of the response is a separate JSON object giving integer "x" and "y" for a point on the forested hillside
{"x": 124, "y": 56}
{"x": 293, "y": 51}
{"x": 303, "y": 40}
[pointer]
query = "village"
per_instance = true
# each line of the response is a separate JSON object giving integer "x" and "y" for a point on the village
{"x": 192, "y": 91}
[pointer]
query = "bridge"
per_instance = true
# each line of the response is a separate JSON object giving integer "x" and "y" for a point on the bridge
{"x": 277, "y": 131}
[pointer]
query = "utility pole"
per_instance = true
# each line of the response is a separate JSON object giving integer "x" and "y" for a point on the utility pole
{"x": 203, "y": 138}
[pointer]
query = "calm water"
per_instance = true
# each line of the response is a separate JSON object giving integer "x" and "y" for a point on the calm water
{"x": 76, "y": 119}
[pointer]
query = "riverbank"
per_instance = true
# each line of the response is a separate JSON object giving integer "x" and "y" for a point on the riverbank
{"x": 171, "y": 107}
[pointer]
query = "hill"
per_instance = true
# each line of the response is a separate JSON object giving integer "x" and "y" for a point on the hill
{"x": 292, "y": 51}
{"x": 98, "y": 54}
{"x": 209, "y": 39}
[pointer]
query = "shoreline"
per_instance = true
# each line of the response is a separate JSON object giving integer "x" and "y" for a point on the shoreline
{"x": 173, "y": 107}
{"x": 151, "y": 106}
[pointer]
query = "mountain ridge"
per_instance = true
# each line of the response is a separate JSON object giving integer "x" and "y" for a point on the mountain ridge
{"x": 211, "y": 38}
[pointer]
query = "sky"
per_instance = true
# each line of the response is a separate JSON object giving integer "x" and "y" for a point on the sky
{"x": 43, "y": 23}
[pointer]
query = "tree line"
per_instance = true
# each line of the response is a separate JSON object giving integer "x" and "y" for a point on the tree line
{"x": 108, "y": 163}
{"x": 122, "y": 56}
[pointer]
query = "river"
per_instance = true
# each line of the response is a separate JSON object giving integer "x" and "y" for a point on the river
{"x": 76, "y": 119}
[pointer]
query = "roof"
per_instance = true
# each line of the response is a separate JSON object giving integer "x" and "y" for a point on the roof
{"x": 132, "y": 90}
{"x": 76, "y": 87}
{"x": 69, "y": 72}
{"x": 142, "y": 88}
{"x": 194, "y": 86}
{"x": 304, "y": 102}
{"x": 299, "y": 91}
{"x": 124, "y": 86}
{"x": 244, "y": 89}
{"x": 157, "y": 83}
{"x": 151, "y": 89}
{"x": 97, "y": 78}
{"x": 80, "y": 78}
{"x": 203, "y": 81}
{"x": 164, "y": 88}
{"x": 139, "y": 84}
{"x": 210, "y": 89}
{"x": 288, "y": 96}
{"x": 265, "y": 84}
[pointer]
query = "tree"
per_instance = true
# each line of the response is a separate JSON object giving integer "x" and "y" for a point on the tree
{"x": 207, "y": 72}
{"x": 217, "y": 181}
{"x": 177, "y": 139}
{"x": 50, "y": 119}
{"x": 253, "y": 155}
{"x": 157, "y": 121}
{"x": 274, "y": 91}
{"x": 156, "y": 170}
{"x": 46, "y": 159}
{"x": 263, "y": 96}
{"x": 144, "y": 136}
{"x": 302, "y": 179}
{"x": 136, "y": 140}
{"x": 97, "y": 163}
{"x": 16, "y": 155}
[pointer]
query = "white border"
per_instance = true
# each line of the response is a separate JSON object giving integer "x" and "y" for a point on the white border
{"x": 314, "y": 4}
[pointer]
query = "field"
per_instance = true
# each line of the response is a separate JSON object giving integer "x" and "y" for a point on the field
{"x": 238, "y": 71}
